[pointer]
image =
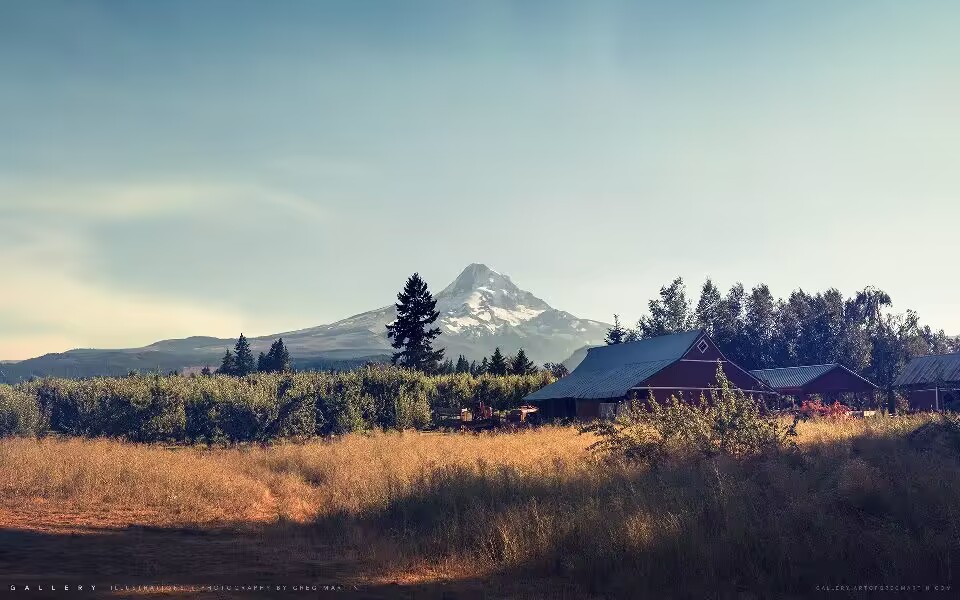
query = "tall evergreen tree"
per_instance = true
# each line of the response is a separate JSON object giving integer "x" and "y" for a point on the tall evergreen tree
{"x": 228, "y": 366}
{"x": 521, "y": 365}
{"x": 616, "y": 334}
{"x": 483, "y": 367}
{"x": 463, "y": 366}
{"x": 411, "y": 334}
{"x": 498, "y": 363}
{"x": 244, "y": 357}
{"x": 277, "y": 360}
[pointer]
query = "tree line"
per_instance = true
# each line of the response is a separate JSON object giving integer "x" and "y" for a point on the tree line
{"x": 758, "y": 331}
{"x": 260, "y": 407}
{"x": 240, "y": 362}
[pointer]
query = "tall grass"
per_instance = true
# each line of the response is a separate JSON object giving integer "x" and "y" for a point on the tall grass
{"x": 856, "y": 502}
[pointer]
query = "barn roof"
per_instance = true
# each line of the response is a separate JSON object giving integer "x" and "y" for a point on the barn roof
{"x": 930, "y": 369}
{"x": 796, "y": 377}
{"x": 612, "y": 371}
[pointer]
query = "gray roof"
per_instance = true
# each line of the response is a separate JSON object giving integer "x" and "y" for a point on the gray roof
{"x": 931, "y": 369}
{"x": 612, "y": 371}
{"x": 796, "y": 377}
{"x": 792, "y": 377}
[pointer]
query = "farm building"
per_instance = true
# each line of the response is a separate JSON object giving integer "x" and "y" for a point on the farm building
{"x": 830, "y": 382}
{"x": 682, "y": 364}
{"x": 932, "y": 382}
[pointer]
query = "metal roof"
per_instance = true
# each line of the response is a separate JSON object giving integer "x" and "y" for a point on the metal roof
{"x": 931, "y": 369}
{"x": 791, "y": 377}
{"x": 796, "y": 377}
{"x": 611, "y": 371}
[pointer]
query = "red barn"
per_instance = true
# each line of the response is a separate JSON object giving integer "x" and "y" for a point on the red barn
{"x": 830, "y": 382}
{"x": 932, "y": 382}
{"x": 682, "y": 364}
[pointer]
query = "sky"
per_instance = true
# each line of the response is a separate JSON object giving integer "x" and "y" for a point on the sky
{"x": 203, "y": 168}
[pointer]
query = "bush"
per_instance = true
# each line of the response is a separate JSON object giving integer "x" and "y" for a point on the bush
{"x": 730, "y": 423}
{"x": 19, "y": 413}
{"x": 815, "y": 408}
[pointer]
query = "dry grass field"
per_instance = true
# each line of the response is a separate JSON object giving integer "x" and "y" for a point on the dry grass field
{"x": 531, "y": 514}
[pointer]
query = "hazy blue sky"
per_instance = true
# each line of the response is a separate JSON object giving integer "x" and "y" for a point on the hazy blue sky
{"x": 202, "y": 167}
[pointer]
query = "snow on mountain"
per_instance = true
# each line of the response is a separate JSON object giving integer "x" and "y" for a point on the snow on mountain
{"x": 479, "y": 311}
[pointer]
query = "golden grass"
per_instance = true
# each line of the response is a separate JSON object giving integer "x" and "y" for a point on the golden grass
{"x": 858, "y": 501}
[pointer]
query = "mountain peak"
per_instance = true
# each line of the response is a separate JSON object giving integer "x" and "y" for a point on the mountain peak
{"x": 475, "y": 276}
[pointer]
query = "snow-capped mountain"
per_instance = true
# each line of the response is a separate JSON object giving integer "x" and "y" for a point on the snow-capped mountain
{"x": 479, "y": 311}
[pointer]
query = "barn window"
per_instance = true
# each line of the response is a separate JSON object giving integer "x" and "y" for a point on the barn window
{"x": 702, "y": 345}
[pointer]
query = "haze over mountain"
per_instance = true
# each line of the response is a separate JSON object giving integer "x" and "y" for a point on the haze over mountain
{"x": 479, "y": 311}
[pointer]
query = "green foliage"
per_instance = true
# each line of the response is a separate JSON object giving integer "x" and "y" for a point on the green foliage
{"x": 521, "y": 365}
{"x": 498, "y": 363}
{"x": 411, "y": 334}
{"x": 261, "y": 407}
{"x": 19, "y": 413}
{"x": 616, "y": 334}
{"x": 244, "y": 358}
{"x": 730, "y": 423}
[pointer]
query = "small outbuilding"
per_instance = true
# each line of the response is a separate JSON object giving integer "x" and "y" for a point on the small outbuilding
{"x": 932, "y": 382}
{"x": 830, "y": 382}
{"x": 681, "y": 364}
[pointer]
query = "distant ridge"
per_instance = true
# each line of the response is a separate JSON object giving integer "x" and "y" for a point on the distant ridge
{"x": 479, "y": 310}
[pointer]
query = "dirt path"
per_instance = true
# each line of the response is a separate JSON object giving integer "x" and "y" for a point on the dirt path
{"x": 42, "y": 546}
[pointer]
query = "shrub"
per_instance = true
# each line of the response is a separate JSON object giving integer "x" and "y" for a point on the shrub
{"x": 815, "y": 408}
{"x": 19, "y": 413}
{"x": 730, "y": 423}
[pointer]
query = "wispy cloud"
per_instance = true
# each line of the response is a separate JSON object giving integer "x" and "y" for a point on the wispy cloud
{"x": 142, "y": 199}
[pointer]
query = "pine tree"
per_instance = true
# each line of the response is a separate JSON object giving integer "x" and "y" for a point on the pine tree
{"x": 521, "y": 365}
{"x": 446, "y": 367}
{"x": 416, "y": 311}
{"x": 263, "y": 366}
{"x": 244, "y": 357}
{"x": 228, "y": 366}
{"x": 498, "y": 364}
{"x": 277, "y": 360}
{"x": 462, "y": 365}
{"x": 616, "y": 334}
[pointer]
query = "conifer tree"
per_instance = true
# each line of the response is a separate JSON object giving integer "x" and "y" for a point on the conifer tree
{"x": 616, "y": 334}
{"x": 521, "y": 365}
{"x": 483, "y": 367}
{"x": 244, "y": 357}
{"x": 262, "y": 365}
{"x": 498, "y": 364}
{"x": 462, "y": 365}
{"x": 228, "y": 366}
{"x": 411, "y": 334}
{"x": 277, "y": 360}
